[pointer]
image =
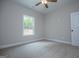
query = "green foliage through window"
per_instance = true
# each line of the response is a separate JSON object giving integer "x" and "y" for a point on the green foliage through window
{"x": 28, "y": 25}
{"x": 28, "y": 22}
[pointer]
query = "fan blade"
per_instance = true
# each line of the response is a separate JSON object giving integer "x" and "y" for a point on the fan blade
{"x": 46, "y": 5}
{"x": 52, "y": 0}
{"x": 38, "y": 3}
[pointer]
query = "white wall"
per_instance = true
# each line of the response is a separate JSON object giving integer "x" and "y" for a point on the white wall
{"x": 0, "y": 22}
{"x": 11, "y": 27}
{"x": 57, "y": 24}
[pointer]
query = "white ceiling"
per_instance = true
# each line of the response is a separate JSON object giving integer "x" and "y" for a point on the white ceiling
{"x": 52, "y": 6}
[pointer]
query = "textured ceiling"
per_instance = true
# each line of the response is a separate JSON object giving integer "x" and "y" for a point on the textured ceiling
{"x": 52, "y": 6}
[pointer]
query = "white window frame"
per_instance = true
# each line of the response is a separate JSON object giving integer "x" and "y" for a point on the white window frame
{"x": 33, "y": 26}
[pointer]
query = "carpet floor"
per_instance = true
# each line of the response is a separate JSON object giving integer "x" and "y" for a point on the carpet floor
{"x": 42, "y": 49}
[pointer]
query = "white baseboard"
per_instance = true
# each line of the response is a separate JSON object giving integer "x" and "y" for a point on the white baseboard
{"x": 21, "y": 43}
{"x": 61, "y": 41}
{"x": 16, "y": 44}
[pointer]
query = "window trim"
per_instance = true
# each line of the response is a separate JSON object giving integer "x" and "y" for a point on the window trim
{"x": 33, "y": 25}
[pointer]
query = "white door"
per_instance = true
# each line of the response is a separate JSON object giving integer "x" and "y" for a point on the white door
{"x": 75, "y": 28}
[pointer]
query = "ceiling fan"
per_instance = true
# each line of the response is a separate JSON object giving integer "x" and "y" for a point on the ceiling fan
{"x": 45, "y": 2}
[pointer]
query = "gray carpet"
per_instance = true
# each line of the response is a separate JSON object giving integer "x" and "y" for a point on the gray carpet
{"x": 42, "y": 49}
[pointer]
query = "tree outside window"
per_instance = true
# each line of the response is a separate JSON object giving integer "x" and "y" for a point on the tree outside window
{"x": 28, "y": 24}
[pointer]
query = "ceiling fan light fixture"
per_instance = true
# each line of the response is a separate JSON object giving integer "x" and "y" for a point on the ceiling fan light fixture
{"x": 44, "y": 1}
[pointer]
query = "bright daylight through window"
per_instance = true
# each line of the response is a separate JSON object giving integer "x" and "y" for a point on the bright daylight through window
{"x": 28, "y": 25}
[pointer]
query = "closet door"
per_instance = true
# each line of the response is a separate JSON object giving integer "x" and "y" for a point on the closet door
{"x": 75, "y": 28}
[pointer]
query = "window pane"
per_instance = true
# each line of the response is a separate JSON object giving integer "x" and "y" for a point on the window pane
{"x": 28, "y": 24}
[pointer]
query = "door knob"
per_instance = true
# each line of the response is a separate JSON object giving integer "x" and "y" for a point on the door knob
{"x": 72, "y": 30}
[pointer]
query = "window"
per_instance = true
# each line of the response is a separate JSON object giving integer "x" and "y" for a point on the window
{"x": 28, "y": 25}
